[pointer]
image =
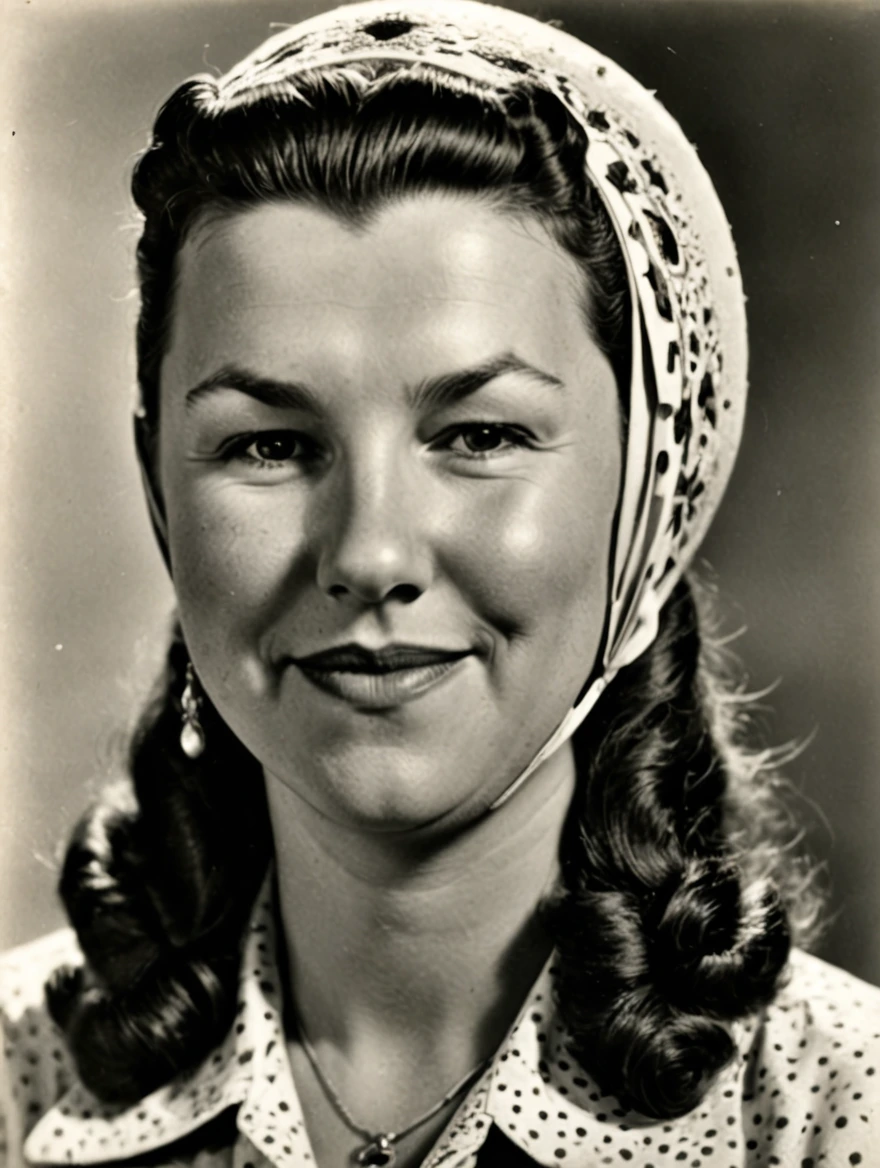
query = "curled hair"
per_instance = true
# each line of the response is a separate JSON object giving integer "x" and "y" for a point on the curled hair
{"x": 671, "y": 920}
{"x": 676, "y": 912}
{"x": 158, "y": 881}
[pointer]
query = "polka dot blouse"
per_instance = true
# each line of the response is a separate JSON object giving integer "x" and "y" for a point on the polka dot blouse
{"x": 802, "y": 1093}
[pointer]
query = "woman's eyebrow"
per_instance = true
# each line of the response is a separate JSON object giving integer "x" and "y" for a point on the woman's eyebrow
{"x": 448, "y": 388}
{"x": 435, "y": 392}
{"x": 271, "y": 391}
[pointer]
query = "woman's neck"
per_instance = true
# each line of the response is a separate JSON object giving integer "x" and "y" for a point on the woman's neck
{"x": 425, "y": 948}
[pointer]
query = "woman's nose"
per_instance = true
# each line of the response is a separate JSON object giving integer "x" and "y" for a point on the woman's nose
{"x": 374, "y": 542}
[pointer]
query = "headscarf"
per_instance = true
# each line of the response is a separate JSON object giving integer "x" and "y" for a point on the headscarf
{"x": 688, "y": 347}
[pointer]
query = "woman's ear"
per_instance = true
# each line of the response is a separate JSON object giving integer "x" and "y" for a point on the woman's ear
{"x": 145, "y": 442}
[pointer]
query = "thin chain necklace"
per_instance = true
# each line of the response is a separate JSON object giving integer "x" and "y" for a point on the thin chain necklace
{"x": 379, "y": 1150}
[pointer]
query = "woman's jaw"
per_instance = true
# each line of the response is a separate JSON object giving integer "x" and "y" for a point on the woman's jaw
{"x": 390, "y": 461}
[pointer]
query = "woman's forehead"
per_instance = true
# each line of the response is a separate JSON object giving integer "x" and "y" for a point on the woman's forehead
{"x": 428, "y": 276}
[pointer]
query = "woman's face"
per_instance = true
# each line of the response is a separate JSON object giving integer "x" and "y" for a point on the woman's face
{"x": 399, "y": 443}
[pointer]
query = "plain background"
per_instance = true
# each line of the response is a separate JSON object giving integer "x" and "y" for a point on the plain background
{"x": 782, "y": 100}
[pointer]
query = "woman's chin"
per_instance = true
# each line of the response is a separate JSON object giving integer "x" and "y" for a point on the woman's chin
{"x": 384, "y": 796}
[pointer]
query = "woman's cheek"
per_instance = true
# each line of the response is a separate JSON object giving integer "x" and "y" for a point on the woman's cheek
{"x": 535, "y": 553}
{"x": 232, "y": 556}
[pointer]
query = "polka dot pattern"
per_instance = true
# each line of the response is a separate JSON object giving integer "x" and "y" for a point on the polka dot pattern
{"x": 64, "y": 1123}
{"x": 802, "y": 1092}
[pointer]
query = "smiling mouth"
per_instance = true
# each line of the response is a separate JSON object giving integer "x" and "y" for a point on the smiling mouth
{"x": 379, "y": 678}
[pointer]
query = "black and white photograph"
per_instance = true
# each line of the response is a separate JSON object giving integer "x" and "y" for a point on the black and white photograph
{"x": 440, "y": 588}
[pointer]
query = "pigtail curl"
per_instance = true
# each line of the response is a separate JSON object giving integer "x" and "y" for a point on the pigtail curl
{"x": 158, "y": 904}
{"x": 663, "y": 934}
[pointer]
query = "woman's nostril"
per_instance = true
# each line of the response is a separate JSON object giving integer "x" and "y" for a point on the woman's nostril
{"x": 402, "y": 593}
{"x": 405, "y": 593}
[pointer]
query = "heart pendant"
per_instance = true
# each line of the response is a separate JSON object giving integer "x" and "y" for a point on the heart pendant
{"x": 379, "y": 1153}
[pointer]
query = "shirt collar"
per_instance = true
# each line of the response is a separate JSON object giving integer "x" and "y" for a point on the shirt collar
{"x": 538, "y": 1095}
{"x": 249, "y": 1067}
{"x": 533, "y": 1090}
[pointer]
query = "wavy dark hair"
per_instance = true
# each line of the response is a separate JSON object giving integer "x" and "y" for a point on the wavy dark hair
{"x": 677, "y": 903}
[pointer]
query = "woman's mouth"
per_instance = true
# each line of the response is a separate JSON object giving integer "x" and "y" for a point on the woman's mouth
{"x": 378, "y": 679}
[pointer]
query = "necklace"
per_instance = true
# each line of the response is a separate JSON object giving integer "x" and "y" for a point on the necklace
{"x": 379, "y": 1150}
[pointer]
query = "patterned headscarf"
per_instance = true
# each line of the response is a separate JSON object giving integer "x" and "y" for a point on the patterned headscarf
{"x": 688, "y": 346}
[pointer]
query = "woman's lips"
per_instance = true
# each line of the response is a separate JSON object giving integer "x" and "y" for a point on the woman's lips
{"x": 379, "y": 678}
{"x": 378, "y": 691}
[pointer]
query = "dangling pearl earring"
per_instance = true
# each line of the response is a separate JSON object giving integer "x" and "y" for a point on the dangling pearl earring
{"x": 192, "y": 736}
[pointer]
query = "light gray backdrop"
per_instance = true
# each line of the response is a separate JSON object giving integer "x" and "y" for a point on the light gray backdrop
{"x": 782, "y": 100}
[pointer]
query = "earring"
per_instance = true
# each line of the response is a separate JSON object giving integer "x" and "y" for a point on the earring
{"x": 192, "y": 736}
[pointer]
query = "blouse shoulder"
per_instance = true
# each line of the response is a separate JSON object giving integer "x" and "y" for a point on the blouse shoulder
{"x": 835, "y": 1008}
{"x": 35, "y": 1067}
{"x": 812, "y": 1081}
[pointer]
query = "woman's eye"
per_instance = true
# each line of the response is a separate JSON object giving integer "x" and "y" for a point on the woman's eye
{"x": 483, "y": 439}
{"x": 272, "y": 447}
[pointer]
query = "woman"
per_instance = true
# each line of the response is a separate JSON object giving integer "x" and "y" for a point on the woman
{"x": 441, "y": 845}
